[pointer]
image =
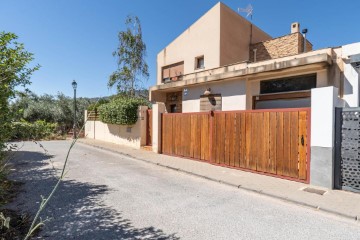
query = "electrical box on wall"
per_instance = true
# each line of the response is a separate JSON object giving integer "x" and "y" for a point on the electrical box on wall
{"x": 355, "y": 60}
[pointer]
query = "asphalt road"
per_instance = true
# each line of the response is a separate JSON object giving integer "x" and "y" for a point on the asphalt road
{"x": 109, "y": 196}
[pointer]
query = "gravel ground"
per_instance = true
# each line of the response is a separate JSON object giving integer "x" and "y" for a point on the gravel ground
{"x": 109, "y": 196}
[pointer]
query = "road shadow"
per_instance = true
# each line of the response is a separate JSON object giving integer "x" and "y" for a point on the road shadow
{"x": 76, "y": 210}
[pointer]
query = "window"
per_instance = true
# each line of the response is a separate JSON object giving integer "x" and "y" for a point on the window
{"x": 199, "y": 62}
{"x": 173, "y": 72}
{"x": 299, "y": 99}
{"x": 290, "y": 84}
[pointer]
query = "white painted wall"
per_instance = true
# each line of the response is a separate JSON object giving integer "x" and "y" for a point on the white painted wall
{"x": 233, "y": 95}
{"x": 157, "y": 110}
{"x": 351, "y": 75}
{"x": 323, "y": 103}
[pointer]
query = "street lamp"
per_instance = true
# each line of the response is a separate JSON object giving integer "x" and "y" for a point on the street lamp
{"x": 74, "y": 85}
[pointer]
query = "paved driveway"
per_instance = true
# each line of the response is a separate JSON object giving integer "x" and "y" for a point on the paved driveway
{"x": 109, "y": 196}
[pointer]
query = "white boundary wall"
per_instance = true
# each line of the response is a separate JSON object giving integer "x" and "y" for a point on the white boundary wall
{"x": 132, "y": 136}
{"x": 323, "y": 103}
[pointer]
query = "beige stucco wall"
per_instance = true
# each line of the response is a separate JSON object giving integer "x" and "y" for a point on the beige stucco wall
{"x": 235, "y": 36}
{"x": 322, "y": 78}
{"x": 113, "y": 133}
{"x": 201, "y": 38}
{"x": 119, "y": 134}
{"x": 233, "y": 95}
{"x": 252, "y": 89}
{"x": 222, "y": 36}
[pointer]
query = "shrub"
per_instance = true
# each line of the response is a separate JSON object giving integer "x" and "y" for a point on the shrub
{"x": 34, "y": 131}
{"x": 121, "y": 111}
{"x": 95, "y": 106}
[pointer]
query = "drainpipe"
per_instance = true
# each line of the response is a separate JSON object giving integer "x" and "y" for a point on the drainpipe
{"x": 255, "y": 50}
{"x": 304, "y": 32}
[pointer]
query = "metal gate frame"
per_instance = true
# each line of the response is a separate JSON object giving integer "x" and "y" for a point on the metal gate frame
{"x": 337, "y": 163}
{"x": 338, "y": 142}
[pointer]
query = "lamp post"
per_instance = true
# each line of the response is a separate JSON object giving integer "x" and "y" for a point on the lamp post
{"x": 74, "y": 85}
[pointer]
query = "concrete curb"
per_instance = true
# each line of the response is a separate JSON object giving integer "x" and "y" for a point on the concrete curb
{"x": 261, "y": 192}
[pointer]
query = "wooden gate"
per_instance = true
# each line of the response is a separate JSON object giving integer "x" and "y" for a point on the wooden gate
{"x": 273, "y": 142}
{"x": 186, "y": 135}
{"x": 149, "y": 128}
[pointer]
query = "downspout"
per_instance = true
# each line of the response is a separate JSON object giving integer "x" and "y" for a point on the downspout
{"x": 255, "y": 50}
{"x": 304, "y": 32}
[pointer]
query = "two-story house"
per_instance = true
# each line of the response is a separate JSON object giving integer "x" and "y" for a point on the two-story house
{"x": 222, "y": 65}
{"x": 224, "y": 62}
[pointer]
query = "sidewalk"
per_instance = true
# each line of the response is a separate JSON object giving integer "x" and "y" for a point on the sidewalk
{"x": 342, "y": 203}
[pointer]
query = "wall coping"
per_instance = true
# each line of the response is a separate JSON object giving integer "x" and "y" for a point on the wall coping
{"x": 321, "y": 58}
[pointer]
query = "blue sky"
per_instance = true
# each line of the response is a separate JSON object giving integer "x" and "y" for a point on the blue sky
{"x": 74, "y": 39}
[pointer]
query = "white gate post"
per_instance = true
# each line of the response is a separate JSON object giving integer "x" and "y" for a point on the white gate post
{"x": 157, "y": 110}
{"x": 323, "y": 103}
{"x": 143, "y": 124}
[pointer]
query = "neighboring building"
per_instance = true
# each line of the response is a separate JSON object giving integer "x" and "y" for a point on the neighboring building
{"x": 224, "y": 62}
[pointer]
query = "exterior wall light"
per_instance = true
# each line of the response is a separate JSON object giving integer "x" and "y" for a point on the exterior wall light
{"x": 173, "y": 97}
{"x": 207, "y": 92}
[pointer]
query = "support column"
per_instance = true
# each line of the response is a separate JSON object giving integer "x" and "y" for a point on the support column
{"x": 143, "y": 124}
{"x": 323, "y": 103}
{"x": 157, "y": 110}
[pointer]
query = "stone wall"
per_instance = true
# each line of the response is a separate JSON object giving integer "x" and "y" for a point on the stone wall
{"x": 174, "y": 98}
{"x": 288, "y": 45}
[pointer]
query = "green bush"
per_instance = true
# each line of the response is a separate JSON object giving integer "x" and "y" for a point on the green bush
{"x": 33, "y": 131}
{"x": 95, "y": 106}
{"x": 121, "y": 111}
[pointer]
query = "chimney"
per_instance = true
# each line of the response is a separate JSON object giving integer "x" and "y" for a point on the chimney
{"x": 295, "y": 27}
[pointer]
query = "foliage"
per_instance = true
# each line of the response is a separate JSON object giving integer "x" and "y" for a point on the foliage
{"x": 95, "y": 106}
{"x": 4, "y": 221}
{"x": 121, "y": 110}
{"x": 14, "y": 72}
{"x": 130, "y": 54}
{"x": 33, "y": 131}
{"x": 53, "y": 109}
